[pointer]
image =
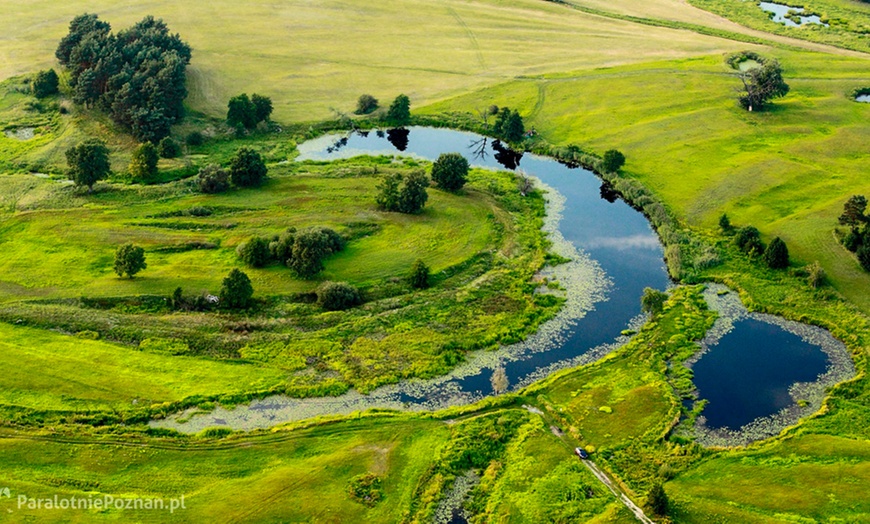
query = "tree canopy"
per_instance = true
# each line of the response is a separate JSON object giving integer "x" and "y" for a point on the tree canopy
{"x": 450, "y": 171}
{"x": 853, "y": 211}
{"x": 413, "y": 196}
{"x": 44, "y": 83}
{"x": 143, "y": 163}
{"x": 245, "y": 112}
{"x": 88, "y": 162}
{"x": 236, "y": 290}
{"x": 366, "y": 104}
{"x": 509, "y": 125}
{"x": 776, "y": 254}
{"x": 762, "y": 84}
{"x": 247, "y": 168}
{"x": 129, "y": 260}
{"x": 612, "y": 161}
{"x": 399, "y": 113}
{"x": 136, "y": 75}
{"x": 419, "y": 277}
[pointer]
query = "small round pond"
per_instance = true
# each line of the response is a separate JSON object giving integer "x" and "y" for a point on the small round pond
{"x": 614, "y": 255}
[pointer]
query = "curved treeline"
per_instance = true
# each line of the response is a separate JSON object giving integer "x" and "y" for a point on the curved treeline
{"x": 136, "y": 75}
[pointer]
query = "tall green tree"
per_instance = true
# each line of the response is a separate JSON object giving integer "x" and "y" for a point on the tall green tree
{"x": 450, "y": 171}
{"x": 262, "y": 107}
{"x": 241, "y": 112}
{"x": 612, "y": 161}
{"x": 399, "y": 113}
{"x": 129, "y": 260}
{"x": 853, "y": 211}
{"x": 413, "y": 196}
{"x": 388, "y": 192}
{"x": 236, "y": 290}
{"x": 143, "y": 163}
{"x": 762, "y": 84}
{"x": 776, "y": 254}
{"x": 247, "y": 168}
{"x": 514, "y": 130}
{"x": 748, "y": 240}
{"x": 88, "y": 162}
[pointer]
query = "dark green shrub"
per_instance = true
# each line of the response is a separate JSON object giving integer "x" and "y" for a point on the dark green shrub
{"x": 612, "y": 161}
{"x": 388, "y": 192}
{"x": 337, "y": 296}
{"x": 653, "y": 301}
{"x": 413, "y": 196}
{"x": 310, "y": 247}
{"x": 450, "y": 171}
{"x": 236, "y": 290}
{"x": 143, "y": 163}
{"x": 129, "y": 260}
{"x": 255, "y": 252}
{"x": 194, "y": 138}
{"x": 247, "y": 168}
{"x": 169, "y": 148}
{"x": 366, "y": 104}
{"x": 776, "y": 254}
{"x": 365, "y": 489}
{"x": 45, "y": 83}
{"x": 748, "y": 240}
{"x": 213, "y": 179}
{"x": 864, "y": 256}
{"x": 419, "y": 277}
{"x": 88, "y": 162}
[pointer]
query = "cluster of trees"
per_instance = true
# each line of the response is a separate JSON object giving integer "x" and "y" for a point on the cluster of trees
{"x": 136, "y": 75}
{"x": 403, "y": 194}
{"x": 508, "y": 125}
{"x": 247, "y": 169}
{"x": 748, "y": 240}
{"x": 44, "y": 83}
{"x": 302, "y": 251}
{"x": 857, "y": 240}
{"x": 246, "y": 113}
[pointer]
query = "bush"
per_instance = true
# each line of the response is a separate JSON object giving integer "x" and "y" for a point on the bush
{"x": 337, "y": 296}
{"x": 419, "y": 277}
{"x": 255, "y": 252}
{"x": 653, "y": 301}
{"x": 613, "y": 161}
{"x": 864, "y": 256}
{"x": 388, "y": 192}
{"x": 194, "y": 138}
{"x": 365, "y": 489}
{"x": 853, "y": 240}
{"x": 450, "y": 171}
{"x": 236, "y": 290}
{"x": 129, "y": 260}
{"x": 213, "y": 179}
{"x": 310, "y": 247}
{"x": 143, "y": 163}
{"x": 816, "y": 275}
{"x": 748, "y": 240}
{"x": 366, "y": 104}
{"x": 169, "y": 148}
{"x": 776, "y": 254}
{"x": 725, "y": 224}
{"x": 413, "y": 195}
{"x": 281, "y": 248}
{"x": 657, "y": 500}
{"x": 45, "y": 83}
{"x": 247, "y": 168}
{"x": 88, "y": 162}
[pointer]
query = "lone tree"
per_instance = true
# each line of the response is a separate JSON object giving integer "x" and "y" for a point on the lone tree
{"x": 143, "y": 163}
{"x": 213, "y": 179}
{"x": 612, "y": 161}
{"x": 450, "y": 171}
{"x": 776, "y": 254}
{"x": 44, "y": 83}
{"x": 653, "y": 301}
{"x": 508, "y": 125}
{"x": 236, "y": 290}
{"x": 388, "y": 192}
{"x": 366, "y": 104}
{"x": 255, "y": 252}
{"x": 748, "y": 240}
{"x": 762, "y": 84}
{"x": 247, "y": 168}
{"x": 657, "y": 500}
{"x": 88, "y": 162}
{"x": 413, "y": 195}
{"x": 725, "y": 224}
{"x": 853, "y": 211}
{"x": 400, "y": 111}
{"x": 338, "y": 296}
{"x": 419, "y": 277}
{"x": 129, "y": 260}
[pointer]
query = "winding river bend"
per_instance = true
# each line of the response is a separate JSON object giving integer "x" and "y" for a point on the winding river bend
{"x": 614, "y": 255}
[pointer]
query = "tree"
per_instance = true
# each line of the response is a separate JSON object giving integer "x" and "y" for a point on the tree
{"x": 653, "y": 301}
{"x": 762, "y": 84}
{"x": 366, "y": 104}
{"x": 501, "y": 122}
{"x": 725, "y": 224}
{"x": 514, "y": 129}
{"x": 241, "y": 112}
{"x": 853, "y": 211}
{"x": 388, "y": 192}
{"x": 247, "y": 168}
{"x": 657, "y": 500}
{"x": 748, "y": 240}
{"x": 236, "y": 290}
{"x": 169, "y": 148}
{"x": 143, "y": 163}
{"x": 129, "y": 260}
{"x": 255, "y": 252}
{"x": 450, "y": 171}
{"x": 399, "y": 113}
{"x": 338, "y": 296}
{"x": 310, "y": 247}
{"x": 413, "y": 195}
{"x": 419, "y": 277}
{"x": 44, "y": 83}
{"x": 776, "y": 254}
{"x": 88, "y": 162}
{"x": 499, "y": 380}
{"x": 816, "y": 275}
{"x": 864, "y": 256}
{"x": 262, "y": 108}
{"x": 613, "y": 161}
{"x": 213, "y": 179}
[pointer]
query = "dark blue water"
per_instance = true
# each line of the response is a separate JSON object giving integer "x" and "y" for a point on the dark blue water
{"x": 748, "y": 373}
{"x": 618, "y": 237}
